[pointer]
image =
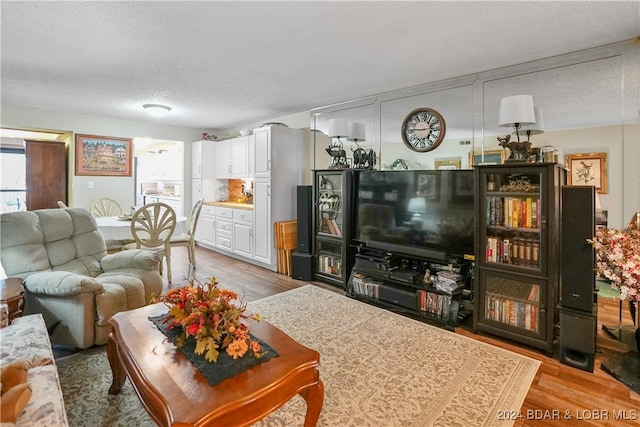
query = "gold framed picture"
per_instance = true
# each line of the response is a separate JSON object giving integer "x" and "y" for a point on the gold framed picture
{"x": 103, "y": 155}
{"x": 491, "y": 157}
{"x": 447, "y": 164}
{"x": 588, "y": 169}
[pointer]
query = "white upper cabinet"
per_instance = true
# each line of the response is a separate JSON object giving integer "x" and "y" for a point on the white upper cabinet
{"x": 196, "y": 159}
{"x": 232, "y": 158}
{"x": 262, "y": 152}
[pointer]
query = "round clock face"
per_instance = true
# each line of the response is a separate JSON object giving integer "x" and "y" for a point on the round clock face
{"x": 423, "y": 129}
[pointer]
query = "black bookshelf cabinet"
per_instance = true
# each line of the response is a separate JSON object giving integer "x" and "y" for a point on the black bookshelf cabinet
{"x": 517, "y": 251}
{"x": 428, "y": 290}
{"x": 332, "y": 219}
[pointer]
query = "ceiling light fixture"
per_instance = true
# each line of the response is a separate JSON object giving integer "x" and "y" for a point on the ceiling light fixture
{"x": 157, "y": 110}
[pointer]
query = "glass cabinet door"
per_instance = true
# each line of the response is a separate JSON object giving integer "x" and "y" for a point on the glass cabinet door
{"x": 514, "y": 219}
{"x": 514, "y": 302}
{"x": 330, "y": 204}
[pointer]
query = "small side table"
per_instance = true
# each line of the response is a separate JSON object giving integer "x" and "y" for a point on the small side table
{"x": 11, "y": 294}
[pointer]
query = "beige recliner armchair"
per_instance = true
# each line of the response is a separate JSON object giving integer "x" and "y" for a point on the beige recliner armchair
{"x": 68, "y": 276}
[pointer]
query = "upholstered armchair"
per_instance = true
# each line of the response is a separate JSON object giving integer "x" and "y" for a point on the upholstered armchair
{"x": 68, "y": 276}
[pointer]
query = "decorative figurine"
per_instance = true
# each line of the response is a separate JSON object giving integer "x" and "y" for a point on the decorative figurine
{"x": 363, "y": 159}
{"x": 339, "y": 156}
{"x": 519, "y": 151}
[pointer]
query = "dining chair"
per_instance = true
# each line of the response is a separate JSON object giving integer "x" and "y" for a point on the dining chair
{"x": 105, "y": 206}
{"x": 188, "y": 239}
{"x": 152, "y": 226}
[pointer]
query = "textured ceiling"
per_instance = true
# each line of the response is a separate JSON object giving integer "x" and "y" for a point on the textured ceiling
{"x": 221, "y": 65}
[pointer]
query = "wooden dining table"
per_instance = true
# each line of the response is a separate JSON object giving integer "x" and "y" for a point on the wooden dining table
{"x": 119, "y": 228}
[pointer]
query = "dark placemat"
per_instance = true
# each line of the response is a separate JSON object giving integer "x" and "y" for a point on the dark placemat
{"x": 625, "y": 368}
{"x": 226, "y": 366}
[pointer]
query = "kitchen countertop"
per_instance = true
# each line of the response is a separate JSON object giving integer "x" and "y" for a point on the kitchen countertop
{"x": 234, "y": 205}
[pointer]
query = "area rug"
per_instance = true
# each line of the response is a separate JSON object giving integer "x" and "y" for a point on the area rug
{"x": 378, "y": 369}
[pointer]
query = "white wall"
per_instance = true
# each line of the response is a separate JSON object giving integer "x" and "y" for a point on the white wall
{"x": 117, "y": 188}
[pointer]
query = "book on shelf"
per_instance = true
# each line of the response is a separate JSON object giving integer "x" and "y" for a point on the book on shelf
{"x": 434, "y": 304}
{"x": 534, "y": 293}
{"x": 512, "y": 312}
{"x": 365, "y": 285}
{"x": 330, "y": 264}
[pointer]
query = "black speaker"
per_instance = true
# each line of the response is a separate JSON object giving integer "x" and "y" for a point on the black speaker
{"x": 577, "y": 256}
{"x": 398, "y": 296}
{"x": 304, "y": 206}
{"x": 578, "y": 338}
{"x": 301, "y": 266}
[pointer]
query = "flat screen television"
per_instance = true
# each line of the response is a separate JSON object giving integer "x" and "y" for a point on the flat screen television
{"x": 427, "y": 213}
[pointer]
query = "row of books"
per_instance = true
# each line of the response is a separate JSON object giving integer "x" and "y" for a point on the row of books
{"x": 330, "y": 264}
{"x": 431, "y": 303}
{"x": 513, "y": 212}
{"x": 518, "y": 250}
{"x": 434, "y": 304}
{"x": 512, "y": 312}
{"x": 365, "y": 285}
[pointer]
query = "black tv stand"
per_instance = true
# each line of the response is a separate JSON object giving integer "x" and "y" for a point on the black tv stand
{"x": 396, "y": 281}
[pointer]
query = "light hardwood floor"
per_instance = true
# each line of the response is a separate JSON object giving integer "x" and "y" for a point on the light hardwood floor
{"x": 558, "y": 390}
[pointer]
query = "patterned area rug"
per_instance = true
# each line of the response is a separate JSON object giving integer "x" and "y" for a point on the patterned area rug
{"x": 378, "y": 369}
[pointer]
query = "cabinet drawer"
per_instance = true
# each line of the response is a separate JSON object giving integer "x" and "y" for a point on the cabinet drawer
{"x": 222, "y": 225}
{"x": 208, "y": 210}
{"x": 224, "y": 212}
{"x": 242, "y": 215}
{"x": 223, "y": 241}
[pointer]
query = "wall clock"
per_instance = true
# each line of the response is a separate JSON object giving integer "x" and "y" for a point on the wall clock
{"x": 423, "y": 129}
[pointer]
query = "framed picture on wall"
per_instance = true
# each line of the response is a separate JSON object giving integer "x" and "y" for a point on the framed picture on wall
{"x": 588, "y": 169}
{"x": 447, "y": 164}
{"x": 103, "y": 155}
{"x": 491, "y": 157}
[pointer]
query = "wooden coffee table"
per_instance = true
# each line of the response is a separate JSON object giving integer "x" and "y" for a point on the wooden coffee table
{"x": 175, "y": 393}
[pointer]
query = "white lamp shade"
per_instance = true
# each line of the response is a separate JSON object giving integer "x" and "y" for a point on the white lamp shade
{"x": 356, "y": 132}
{"x": 338, "y": 128}
{"x": 536, "y": 128}
{"x": 418, "y": 205}
{"x": 517, "y": 109}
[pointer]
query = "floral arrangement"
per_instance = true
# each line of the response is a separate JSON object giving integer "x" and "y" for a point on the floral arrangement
{"x": 618, "y": 260}
{"x": 213, "y": 317}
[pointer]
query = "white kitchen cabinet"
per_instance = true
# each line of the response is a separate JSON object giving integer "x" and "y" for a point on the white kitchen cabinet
{"x": 232, "y": 158}
{"x": 196, "y": 190}
{"x": 262, "y": 152}
{"x": 196, "y": 159}
{"x": 206, "y": 229}
{"x": 164, "y": 166}
{"x": 224, "y": 228}
{"x": 276, "y": 145}
{"x": 263, "y": 234}
{"x": 279, "y": 156}
{"x": 174, "y": 202}
{"x": 243, "y": 232}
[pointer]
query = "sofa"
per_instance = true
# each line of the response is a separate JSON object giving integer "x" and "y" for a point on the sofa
{"x": 27, "y": 339}
{"x": 68, "y": 276}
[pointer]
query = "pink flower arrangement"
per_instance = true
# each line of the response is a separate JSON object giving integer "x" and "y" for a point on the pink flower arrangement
{"x": 212, "y": 317}
{"x": 618, "y": 260}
